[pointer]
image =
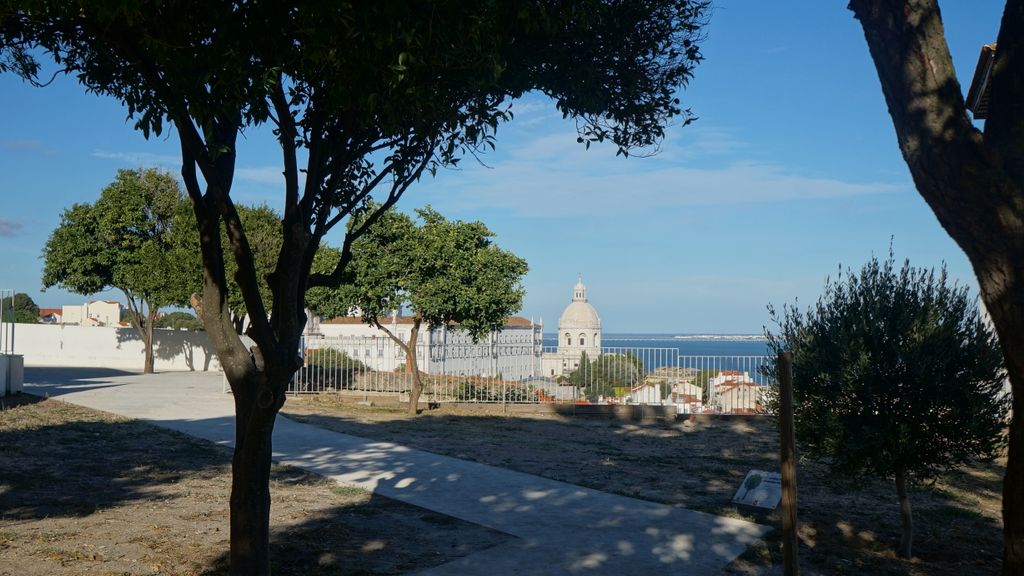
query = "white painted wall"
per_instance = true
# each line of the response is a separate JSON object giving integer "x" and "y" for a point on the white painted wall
{"x": 112, "y": 347}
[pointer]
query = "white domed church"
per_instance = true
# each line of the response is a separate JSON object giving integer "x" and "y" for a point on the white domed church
{"x": 579, "y": 331}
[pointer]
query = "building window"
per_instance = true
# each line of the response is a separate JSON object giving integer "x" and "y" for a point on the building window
{"x": 583, "y": 340}
{"x": 568, "y": 339}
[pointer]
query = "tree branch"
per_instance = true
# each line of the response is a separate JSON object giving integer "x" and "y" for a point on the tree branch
{"x": 245, "y": 277}
{"x": 287, "y": 138}
{"x": 943, "y": 150}
{"x": 391, "y": 335}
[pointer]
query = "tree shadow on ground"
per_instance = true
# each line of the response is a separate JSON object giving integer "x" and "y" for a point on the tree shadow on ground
{"x": 373, "y": 535}
{"x": 63, "y": 461}
{"x": 83, "y": 490}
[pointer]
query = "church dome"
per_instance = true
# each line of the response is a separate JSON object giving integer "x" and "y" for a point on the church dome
{"x": 579, "y": 313}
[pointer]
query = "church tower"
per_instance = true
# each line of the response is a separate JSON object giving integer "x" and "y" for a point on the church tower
{"x": 579, "y": 331}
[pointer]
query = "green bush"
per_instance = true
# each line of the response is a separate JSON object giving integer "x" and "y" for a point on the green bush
{"x": 334, "y": 358}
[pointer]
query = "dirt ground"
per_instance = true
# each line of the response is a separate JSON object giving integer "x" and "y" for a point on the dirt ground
{"x": 85, "y": 492}
{"x": 699, "y": 464}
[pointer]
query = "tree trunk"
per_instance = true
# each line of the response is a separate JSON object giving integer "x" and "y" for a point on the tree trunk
{"x": 971, "y": 180}
{"x": 148, "y": 340}
{"x": 906, "y": 516}
{"x": 250, "y": 479}
{"x": 1009, "y": 321}
{"x": 411, "y": 366}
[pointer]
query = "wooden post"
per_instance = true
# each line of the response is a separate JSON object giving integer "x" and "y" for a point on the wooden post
{"x": 787, "y": 441}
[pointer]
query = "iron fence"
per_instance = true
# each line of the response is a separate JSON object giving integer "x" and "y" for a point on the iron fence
{"x": 522, "y": 372}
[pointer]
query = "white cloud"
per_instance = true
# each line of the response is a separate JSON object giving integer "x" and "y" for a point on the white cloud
{"x": 141, "y": 158}
{"x": 568, "y": 189}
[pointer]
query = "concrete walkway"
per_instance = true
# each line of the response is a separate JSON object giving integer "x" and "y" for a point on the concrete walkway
{"x": 560, "y": 528}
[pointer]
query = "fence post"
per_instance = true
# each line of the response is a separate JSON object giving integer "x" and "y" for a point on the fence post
{"x": 787, "y": 440}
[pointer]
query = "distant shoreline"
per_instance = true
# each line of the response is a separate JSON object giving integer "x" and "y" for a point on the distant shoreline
{"x": 720, "y": 337}
{"x": 641, "y": 337}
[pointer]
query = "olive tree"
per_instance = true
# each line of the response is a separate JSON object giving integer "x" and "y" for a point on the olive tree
{"x": 367, "y": 96}
{"x": 895, "y": 376}
{"x": 971, "y": 178}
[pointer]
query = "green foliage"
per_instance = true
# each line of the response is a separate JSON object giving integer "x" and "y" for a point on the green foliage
{"x": 20, "y": 308}
{"x": 127, "y": 240}
{"x": 369, "y": 94}
{"x": 606, "y": 373}
{"x": 179, "y": 321}
{"x": 894, "y": 370}
{"x": 665, "y": 389}
{"x": 263, "y": 230}
{"x": 334, "y": 358}
{"x": 124, "y": 240}
{"x": 329, "y": 302}
{"x": 439, "y": 270}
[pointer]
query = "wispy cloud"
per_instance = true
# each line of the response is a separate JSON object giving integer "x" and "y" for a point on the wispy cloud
{"x": 140, "y": 158}
{"x": 590, "y": 190}
{"x": 21, "y": 144}
{"x": 9, "y": 228}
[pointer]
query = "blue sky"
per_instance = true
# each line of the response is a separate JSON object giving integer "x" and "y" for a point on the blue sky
{"x": 791, "y": 170}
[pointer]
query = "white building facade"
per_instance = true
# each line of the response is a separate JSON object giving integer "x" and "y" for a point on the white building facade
{"x": 512, "y": 353}
{"x": 95, "y": 313}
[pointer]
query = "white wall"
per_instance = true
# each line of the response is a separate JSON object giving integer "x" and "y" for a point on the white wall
{"x": 112, "y": 347}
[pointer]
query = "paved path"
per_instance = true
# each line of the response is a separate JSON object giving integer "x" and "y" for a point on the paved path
{"x": 560, "y": 528}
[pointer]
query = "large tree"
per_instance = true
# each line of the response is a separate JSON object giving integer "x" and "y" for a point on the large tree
{"x": 369, "y": 96}
{"x": 124, "y": 240}
{"x": 19, "y": 308}
{"x": 972, "y": 179}
{"x": 895, "y": 376}
{"x": 441, "y": 271}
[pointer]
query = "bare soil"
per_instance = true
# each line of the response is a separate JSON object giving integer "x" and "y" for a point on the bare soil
{"x": 85, "y": 492}
{"x": 699, "y": 464}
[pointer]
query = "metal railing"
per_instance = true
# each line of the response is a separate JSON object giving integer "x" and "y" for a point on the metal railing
{"x": 523, "y": 372}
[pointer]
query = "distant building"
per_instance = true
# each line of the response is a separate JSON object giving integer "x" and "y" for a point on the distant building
{"x": 50, "y": 315}
{"x": 735, "y": 392}
{"x": 95, "y": 313}
{"x": 646, "y": 393}
{"x": 513, "y": 352}
{"x": 579, "y": 331}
